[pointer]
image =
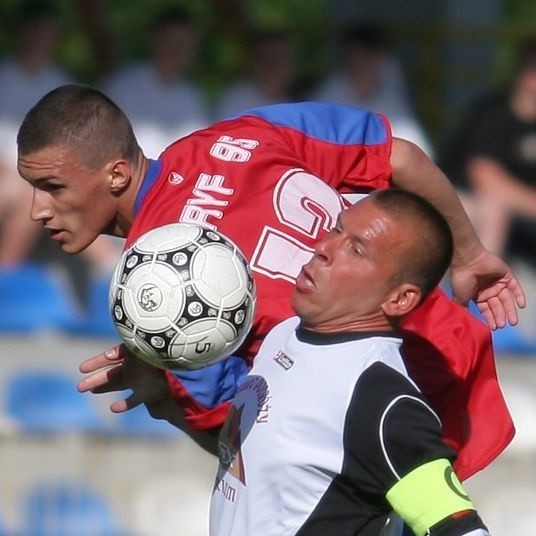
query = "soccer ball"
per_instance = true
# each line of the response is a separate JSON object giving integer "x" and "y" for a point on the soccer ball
{"x": 182, "y": 297}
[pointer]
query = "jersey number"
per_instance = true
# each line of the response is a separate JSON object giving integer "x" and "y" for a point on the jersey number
{"x": 307, "y": 205}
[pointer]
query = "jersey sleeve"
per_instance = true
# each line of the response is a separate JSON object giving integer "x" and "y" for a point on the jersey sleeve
{"x": 346, "y": 146}
{"x": 432, "y": 501}
{"x": 400, "y": 455}
{"x": 390, "y": 429}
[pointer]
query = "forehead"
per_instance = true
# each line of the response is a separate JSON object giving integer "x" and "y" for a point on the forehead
{"x": 362, "y": 214}
{"x": 367, "y": 221}
{"x": 49, "y": 161}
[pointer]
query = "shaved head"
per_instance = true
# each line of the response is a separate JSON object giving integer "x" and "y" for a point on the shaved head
{"x": 430, "y": 244}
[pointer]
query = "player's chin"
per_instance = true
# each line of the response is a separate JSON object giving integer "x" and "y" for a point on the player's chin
{"x": 72, "y": 247}
{"x": 69, "y": 248}
{"x": 300, "y": 302}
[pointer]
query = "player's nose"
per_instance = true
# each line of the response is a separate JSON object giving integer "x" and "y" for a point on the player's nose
{"x": 326, "y": 248}
{"x": 40, "y": 209}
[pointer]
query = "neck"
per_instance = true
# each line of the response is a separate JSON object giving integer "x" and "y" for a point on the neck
{"x": 368, "y": 325}
{"x": 125, "y": 213}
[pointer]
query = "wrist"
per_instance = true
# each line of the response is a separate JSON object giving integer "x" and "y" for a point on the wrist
{"x": 162, "y": 408}
{"x": 466, "y": 255}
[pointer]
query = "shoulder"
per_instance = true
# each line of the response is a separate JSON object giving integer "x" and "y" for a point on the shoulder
{"x": 334, "y": 123}
{"x": 382, "y": 386}
{"x": 286, "y": 326}
{"x": 392, "y": 424}
{"x": 277, "y": 336}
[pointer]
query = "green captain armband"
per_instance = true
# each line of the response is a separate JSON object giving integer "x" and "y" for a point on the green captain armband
{"x": 427, "y": 495}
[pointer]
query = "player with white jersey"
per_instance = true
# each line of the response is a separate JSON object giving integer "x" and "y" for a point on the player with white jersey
{"x": 268, "y": 179}
{"x": 328, "y": 433}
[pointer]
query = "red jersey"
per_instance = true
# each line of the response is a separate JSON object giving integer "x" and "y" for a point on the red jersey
{"x": 259, "y": 185}
{"x": 271, "y": 181}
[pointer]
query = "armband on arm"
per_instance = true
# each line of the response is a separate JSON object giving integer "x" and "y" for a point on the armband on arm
{"x": 431, "y": 500}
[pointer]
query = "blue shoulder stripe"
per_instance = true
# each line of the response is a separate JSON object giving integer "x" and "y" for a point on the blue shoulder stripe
{"x": 334, "y": 123}
{"x": 153, "y": 171}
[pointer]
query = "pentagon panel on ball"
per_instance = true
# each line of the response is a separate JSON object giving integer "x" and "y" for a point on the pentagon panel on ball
{"x": 182, "y": 297}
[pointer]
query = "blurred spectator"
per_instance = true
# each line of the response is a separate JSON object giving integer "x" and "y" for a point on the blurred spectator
{"x": 371, "y": 77}
{"x": 30, "y": 71}
{"x": 26, "y": 75}
{"x": 492, "y": 162}
{"x": 155, "y": 92}
{"x": 270, "y": 76}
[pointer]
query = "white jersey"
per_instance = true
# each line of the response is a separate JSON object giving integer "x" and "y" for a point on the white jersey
{"x": 320, "y": 429}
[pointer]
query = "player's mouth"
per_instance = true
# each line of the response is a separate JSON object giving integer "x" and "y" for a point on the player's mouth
{"x": 304, "y": 281}
{"x": 57, "y": 234}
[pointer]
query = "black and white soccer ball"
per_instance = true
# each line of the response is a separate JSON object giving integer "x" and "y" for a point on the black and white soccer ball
{"x": 182, "y": 297}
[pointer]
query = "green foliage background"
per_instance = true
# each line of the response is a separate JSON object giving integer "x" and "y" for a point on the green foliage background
{"x": 223, "y": 28}
{"x": 222, "y": 53}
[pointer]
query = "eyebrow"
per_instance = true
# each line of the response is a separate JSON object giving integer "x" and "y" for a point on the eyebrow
{"x": 41, "y": 180}
{"x": 353, "y": 238}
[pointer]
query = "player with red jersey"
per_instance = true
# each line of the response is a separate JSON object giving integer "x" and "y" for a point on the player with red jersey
{"x": 227, "y": 175}
{"x": 267, "y": 179}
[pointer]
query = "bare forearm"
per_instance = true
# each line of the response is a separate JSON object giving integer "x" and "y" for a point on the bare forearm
{"x": 167, "y": 409}
{"x": 414, "y": 171}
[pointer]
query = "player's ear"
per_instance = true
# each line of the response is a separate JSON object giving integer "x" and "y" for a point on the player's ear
{"x": 402, "y": 300}
{"x": 118, "y": 175}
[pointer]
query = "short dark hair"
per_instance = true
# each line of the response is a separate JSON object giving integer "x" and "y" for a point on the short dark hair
{"x": 433, "y": 244}
{"x": 80, "y": 118}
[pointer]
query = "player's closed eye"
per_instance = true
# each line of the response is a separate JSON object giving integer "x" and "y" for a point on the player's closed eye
{"x": 50, "y": 187}
{"x": 336, "y": 229}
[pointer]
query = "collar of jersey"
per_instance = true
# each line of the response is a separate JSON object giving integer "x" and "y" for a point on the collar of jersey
{"x": 313, "y": 337}
{"x": 152, "y": 174}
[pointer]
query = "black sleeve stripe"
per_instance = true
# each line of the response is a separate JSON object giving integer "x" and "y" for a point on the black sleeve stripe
{"x": 389, "y": 430}
{"x": 382, "y": 431}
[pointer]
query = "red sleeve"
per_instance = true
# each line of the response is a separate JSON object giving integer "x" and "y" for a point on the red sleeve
{"x": 449, "y": 354}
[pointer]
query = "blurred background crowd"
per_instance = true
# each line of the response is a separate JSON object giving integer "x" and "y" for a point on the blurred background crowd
{"x": 456, "y": 78}
{"x": 467, "y": 99}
